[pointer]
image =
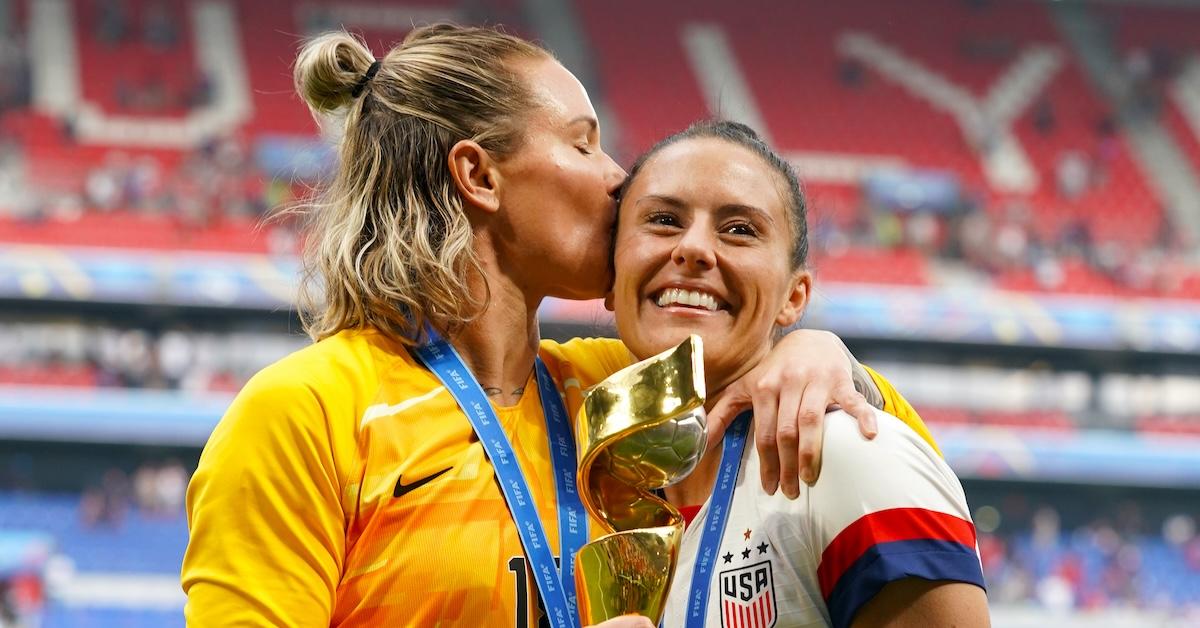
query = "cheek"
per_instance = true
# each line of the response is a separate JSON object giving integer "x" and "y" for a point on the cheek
{"x": 624, "y": 279}
{"x": 767, "y": 285}
{"x": 631, "y": 266}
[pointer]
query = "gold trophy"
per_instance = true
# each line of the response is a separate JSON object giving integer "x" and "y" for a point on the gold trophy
{"x": 639, "y": 430}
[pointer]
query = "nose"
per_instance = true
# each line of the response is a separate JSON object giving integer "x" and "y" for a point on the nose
{"x": 695, "y": 248}
{"x": 614, "y": 175}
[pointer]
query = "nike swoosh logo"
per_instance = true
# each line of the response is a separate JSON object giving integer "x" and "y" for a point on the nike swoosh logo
{"x": 403, "y": 489}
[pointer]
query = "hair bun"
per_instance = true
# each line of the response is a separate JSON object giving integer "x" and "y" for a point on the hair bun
{"x": 328, "y": 68}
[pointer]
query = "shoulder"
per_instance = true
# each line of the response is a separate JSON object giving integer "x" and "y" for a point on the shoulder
{"x": 341, "y": 363}
{"x": 331, "y": 377}
{"x": 844, "y": 444}
{"x": 885, "y": 510}
{"x": 897, "y": 471}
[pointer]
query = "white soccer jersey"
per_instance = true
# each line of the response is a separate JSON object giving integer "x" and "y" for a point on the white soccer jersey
{"x": 882, "y": 511}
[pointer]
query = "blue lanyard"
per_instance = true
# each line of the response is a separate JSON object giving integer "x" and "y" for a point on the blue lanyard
{"x": 557, "y": 587}
{"x": 714, "y": 522}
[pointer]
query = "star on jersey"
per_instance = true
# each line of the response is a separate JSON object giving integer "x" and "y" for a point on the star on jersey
{"x": 728, "y": 557}
{"x": 762, "y": 548}
{"x": 746, "y": 553}
{"x": 747, "y": 534}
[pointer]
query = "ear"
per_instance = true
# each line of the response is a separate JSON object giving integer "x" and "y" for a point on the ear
{"x": 475, "y": 175}
{"x": 797, "y": 299}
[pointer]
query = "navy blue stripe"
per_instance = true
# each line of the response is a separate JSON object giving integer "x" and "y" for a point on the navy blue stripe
{"x": 930, "y": 559}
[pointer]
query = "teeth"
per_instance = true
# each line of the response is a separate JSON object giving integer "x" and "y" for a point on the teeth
{"x": 673, "y": 296}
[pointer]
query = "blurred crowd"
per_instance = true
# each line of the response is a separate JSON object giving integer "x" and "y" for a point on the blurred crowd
{"x": 73, "y": 354}
{"x": 996, "y": 236}
{"x": 154, "y": 490}
{"x": 219, "y": 180}
{"x": 222, "y": 180}
{"x": 1116, "y": 557}
{"x": 996, "y": 241}
{"x": 156, "y": 32}
{"x": 218, "y": 183}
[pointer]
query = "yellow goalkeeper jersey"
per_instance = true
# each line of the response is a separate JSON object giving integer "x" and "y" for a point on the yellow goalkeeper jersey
{"x": 344, "y": 487}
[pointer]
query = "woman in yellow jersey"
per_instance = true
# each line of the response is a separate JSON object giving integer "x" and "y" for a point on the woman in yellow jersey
{"x": 394, "y": 472}
{"x": 712, "y": 240}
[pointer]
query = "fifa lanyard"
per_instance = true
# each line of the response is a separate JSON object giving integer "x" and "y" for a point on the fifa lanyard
{"x": 716, "y": 519}
{"x": 557, "y": 587}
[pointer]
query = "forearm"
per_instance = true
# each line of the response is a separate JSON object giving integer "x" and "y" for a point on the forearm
{"x": 864, "y": 384}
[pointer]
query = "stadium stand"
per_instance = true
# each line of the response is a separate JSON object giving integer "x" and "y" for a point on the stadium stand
{"x": 1078, "y": 215}
{"x": 812, "y": 97}
{"x": 946, "y": 145}
{"x": 1089, "y": 224}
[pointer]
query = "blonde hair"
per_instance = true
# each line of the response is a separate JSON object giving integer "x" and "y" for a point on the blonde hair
{"x": 388, "y": 244}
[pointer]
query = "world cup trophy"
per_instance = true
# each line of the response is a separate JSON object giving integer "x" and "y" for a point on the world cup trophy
{"x": 640, "y": 430}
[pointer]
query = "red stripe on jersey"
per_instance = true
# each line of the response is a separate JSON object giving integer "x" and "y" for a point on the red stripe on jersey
{"x": 895, "y": 524}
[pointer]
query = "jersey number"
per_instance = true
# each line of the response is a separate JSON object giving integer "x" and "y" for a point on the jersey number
{"x": 521, "y": 574}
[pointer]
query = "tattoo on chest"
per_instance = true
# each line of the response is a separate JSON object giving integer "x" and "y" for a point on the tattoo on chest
{"x": 492, "y": 391}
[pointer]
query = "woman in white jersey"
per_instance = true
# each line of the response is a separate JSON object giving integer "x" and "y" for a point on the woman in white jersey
{"x": 712, "y": 240}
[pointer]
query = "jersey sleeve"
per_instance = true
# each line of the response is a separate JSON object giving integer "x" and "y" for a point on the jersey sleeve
{"x": 897, "y": 406}
{"x": 590, "y": 360}
{"x": 264, "y": 513}
{"x": 885, "y": 510}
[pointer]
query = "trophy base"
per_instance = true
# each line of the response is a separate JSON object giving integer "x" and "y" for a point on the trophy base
{"x": 626, "y": 573}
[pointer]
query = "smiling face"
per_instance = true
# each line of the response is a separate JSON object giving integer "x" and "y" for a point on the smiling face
{"x": 704, "y": 246}
{"x": 557, "y": 190}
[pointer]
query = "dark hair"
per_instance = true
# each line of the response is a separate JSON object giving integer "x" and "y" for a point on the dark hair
{"x": 742, "y": 135}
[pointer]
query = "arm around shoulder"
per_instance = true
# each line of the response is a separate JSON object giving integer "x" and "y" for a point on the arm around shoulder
{"x": 266, "y": 525}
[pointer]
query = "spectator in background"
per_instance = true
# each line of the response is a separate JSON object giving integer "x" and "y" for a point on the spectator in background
{"x": 1044, "y": 118}
{"x": 159, "y": 28}
{"x": 8, "y": 610}
{"x": 112, "y": 21}
{"x": 171, "y": 486}
{"x": 159, "y": 489}
{"x": 851, "y": 73}
{"x": 104, "y": 186}
{"x": 16, "y": 78}
{"x": 200, "y": 92}
{"x": 105, "y": 505}
{"x": 1073, "y": 174}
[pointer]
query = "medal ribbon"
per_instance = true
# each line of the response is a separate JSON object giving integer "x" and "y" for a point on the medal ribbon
{"x": 557, "y": 587}
{"x": 716, "y": 519}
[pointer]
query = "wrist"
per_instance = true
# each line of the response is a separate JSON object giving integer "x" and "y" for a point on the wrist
{"x": 863, "y": 383}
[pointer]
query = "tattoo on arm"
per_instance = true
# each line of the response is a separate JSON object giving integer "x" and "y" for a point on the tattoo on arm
{"x": 863, "y": 382}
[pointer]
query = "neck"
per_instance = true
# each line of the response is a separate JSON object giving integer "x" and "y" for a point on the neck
{"x": 696, "y": 488}
{"x": 499, "y": 345}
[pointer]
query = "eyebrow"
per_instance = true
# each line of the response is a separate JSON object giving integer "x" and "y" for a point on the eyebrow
{"x": 592, "y": 123}
{"x": 665, "y": 200}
